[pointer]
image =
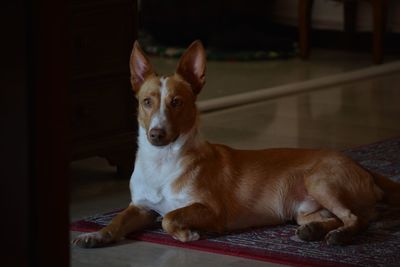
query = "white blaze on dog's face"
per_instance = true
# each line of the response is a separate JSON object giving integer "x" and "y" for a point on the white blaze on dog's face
{"x": 167, "y": 104}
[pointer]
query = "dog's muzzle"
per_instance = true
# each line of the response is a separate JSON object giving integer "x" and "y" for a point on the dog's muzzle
{"x": 158, "y": 137}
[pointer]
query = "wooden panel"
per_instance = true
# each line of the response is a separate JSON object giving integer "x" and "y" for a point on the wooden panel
{"x": 15, "y": 171}
{"x": 49, "y": 197}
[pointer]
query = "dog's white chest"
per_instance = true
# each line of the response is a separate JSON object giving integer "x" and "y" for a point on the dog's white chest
{"x": 156, "y": 170}
{"x": 152, "y": 185}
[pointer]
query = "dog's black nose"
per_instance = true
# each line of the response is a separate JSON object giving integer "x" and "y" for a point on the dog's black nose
{"x": 157, "y": 136}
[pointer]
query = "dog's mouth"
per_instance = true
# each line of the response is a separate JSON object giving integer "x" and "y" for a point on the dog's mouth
{"x": 159, "y": 143}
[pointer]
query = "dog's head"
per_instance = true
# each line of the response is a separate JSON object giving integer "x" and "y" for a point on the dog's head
{"x": 167, "y": 107}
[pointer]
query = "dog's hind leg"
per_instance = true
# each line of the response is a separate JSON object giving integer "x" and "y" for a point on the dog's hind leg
{"x": 129, "y": 220}
{"x": 345, "y": 190}
{"x": 314, "y": 226}
{"x": 351, "y": 223}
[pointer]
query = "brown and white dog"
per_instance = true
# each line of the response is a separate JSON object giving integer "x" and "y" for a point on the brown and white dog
{"x": 198, "y": 186}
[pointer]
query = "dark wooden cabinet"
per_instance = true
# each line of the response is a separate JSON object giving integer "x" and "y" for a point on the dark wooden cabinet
{"x": 103, "y": 107}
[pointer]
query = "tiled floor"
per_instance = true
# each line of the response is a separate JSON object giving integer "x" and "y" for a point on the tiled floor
{"x": 340, "y": 117}
{"x": 336, "y": 118}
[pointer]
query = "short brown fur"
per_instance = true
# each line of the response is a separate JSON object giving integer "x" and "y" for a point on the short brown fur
{"x": 330, "y": 196}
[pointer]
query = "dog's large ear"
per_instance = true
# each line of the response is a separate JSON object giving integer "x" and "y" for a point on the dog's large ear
{"x": 192, "y": 66}
{"x": 140, "y": 67}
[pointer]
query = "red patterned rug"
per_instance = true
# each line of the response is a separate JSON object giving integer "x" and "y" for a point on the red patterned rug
{"x": 378, "y": 246}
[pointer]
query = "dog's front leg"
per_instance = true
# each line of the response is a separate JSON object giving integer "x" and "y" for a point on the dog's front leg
{"x": 183, "y": 223}
{"x": 129, "y": 220}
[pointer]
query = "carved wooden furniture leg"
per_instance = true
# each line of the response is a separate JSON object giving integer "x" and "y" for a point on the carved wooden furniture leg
{"x": 350, "y": 19}
{"x": 379, "y": 9}
{"x": 304, "y": 9}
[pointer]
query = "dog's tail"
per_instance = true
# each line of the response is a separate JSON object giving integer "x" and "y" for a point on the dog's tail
{"x": 391, "y": 189}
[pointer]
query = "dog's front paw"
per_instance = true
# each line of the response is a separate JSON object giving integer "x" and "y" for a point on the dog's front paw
{"x": 178, "y": 231}
{"x": 185, "y": 235}
{"x": 93, "y": 240}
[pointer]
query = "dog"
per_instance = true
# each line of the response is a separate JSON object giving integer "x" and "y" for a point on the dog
{"x": 196, "y": 186}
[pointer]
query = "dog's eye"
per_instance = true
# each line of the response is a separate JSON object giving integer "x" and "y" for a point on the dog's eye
{"x": 147, "y": 102}
{"x": 176, "y": 102}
